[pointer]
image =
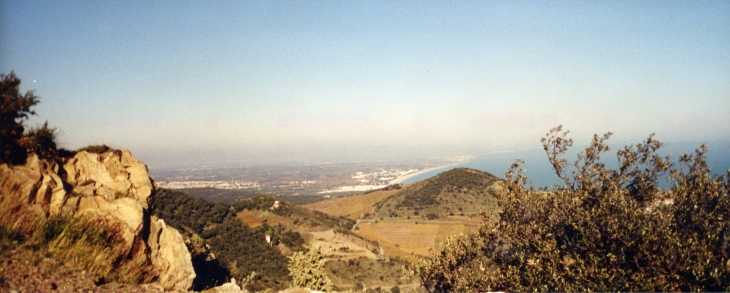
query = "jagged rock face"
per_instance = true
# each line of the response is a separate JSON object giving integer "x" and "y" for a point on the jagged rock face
{"x": 32, "y": 189}
{"x": 114, "y": 186}
{"x": 110, "y": 175}
{"x": 170, "y": 254}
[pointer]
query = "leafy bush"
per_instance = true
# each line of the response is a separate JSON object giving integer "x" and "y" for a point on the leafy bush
{"x": 15, "y": 145}
{"x": 292, "y": 239}
{"x": 96, "y": 149}
{"x": 42, "y": 141}
{"x": 603, "y": 230}
{"x": 307, "y": 270}
{"x": 14, "y": 109}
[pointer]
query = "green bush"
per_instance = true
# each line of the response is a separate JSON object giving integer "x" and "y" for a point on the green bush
{"x": 307, "y": 270}
{"x": 95, "y": 149}
{"x": 42, "y": 141}
{"x": 603, "y": 230}
{"x": 14, "y": 109}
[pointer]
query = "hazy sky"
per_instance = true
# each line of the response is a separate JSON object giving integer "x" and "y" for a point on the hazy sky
{"x": 271, "y": 79}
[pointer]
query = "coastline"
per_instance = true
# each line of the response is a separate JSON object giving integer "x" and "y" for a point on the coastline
{"x": 414, "y": 174}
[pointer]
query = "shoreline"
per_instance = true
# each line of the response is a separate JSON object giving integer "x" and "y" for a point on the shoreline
{"x": 414, "y": 174}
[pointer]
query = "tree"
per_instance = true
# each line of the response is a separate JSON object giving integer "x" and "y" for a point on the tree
{"x": 307, "y": 270}
{"x": 14, "y": 109}
{"x": 604, "y": 229}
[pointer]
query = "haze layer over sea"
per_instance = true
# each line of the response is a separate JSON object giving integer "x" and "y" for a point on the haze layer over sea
{"x": 539, "y": 172}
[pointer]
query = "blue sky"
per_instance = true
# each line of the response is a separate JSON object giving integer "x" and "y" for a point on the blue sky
{"x": 255, "y": 80}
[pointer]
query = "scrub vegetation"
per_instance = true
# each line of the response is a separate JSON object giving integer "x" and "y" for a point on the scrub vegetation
{"x": 603, "y": 230}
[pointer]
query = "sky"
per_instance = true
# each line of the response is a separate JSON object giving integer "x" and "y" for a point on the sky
{"x": 185, "y": 82}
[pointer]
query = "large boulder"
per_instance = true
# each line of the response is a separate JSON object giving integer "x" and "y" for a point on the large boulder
{"x": 170, "y": 255}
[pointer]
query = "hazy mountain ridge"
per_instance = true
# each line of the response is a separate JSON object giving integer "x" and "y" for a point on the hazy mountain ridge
{"x": 410, "y": 220}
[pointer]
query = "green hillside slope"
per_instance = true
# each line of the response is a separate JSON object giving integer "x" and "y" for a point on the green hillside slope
{"x": 239, "y": 249}
{"x": 458, "y": 192}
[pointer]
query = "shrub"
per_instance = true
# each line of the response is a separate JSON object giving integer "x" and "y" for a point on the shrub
{"x": 95, "y": 149}
{"x": 42, "y": 141}
{"x": 14, "y": 109}
{"x": 603, "y": 230}
{"x": 307, "y": 270}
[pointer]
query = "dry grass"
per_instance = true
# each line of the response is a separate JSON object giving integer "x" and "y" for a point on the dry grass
{"x": 250, "y": 219}
{"x": 401, "y": 239}
{"x": 92, "y": 244}
{"x": 353, "y": 207}
{"x": 405, "y": 239}
{"x": 257, "y": 218}
{"x": 453, "y": 229}
{"x": 342, "y": 246}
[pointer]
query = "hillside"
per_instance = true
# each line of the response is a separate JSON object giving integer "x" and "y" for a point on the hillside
{"x": 413, "y": 219}
{"x": 352, "y": 261}
{"x": 222, "y": 246}
{"x": 355, "y": 206}
{"x": 457, "y": 192}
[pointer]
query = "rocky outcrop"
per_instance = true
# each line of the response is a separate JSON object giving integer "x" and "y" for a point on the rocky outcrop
{"x": 32, "y": 188}
{"x": 170, "y": 254}
{"x": 113, "y": 186}
{"x": 109, "y": 175}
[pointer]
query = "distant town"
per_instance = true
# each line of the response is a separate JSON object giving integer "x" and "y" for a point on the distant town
{"x": 292, "y": 180}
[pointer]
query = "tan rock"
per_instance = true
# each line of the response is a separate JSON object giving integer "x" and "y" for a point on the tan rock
{"x": 123, "y": 210}
{"x": 139, "y": 177}
{"x": 230, "y": 287}
{"x": 114, "y": 174}
{"x": 36, "y": 183}
{"x": 58, "y": 194}
{"x": 170, "y": 256}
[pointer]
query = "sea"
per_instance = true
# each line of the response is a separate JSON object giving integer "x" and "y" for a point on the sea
{"x": 539, "y": 172}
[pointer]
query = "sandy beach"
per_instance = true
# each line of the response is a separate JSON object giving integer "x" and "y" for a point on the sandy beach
{"x": 410, "y": 175}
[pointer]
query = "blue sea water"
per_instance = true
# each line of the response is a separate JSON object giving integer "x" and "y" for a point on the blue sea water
{"x": 539, "y": 172}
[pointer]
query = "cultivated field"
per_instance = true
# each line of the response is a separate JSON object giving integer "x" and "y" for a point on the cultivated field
{"x": 407, "y": 239}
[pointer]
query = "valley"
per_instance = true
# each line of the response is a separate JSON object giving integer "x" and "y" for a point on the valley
{"x": 367, "y": 239}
